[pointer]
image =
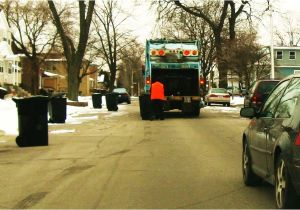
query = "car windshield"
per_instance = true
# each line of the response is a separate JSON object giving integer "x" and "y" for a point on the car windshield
{"x": 267, "y": 86}
{"x": 218, "y": 90}
{"x": 119, "y": 90}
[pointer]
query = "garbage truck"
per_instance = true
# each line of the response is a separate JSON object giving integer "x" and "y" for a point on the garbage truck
{"x": 177, "y": 64}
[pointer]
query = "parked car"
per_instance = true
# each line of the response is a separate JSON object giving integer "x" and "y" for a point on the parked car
{"x": 122, "y": 95}
{"x": 271, "y": 143}
{"x": 217, "y": 96}
{"x": 258, "y": 93}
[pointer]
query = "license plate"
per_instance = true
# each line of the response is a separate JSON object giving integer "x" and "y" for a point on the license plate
{"x": 187, "y": 99}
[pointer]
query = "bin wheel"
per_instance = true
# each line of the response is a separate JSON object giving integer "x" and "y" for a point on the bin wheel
{"x": 20, "y": 142}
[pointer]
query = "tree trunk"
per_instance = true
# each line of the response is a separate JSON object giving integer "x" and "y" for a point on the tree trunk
{"x": 222, "y": 67}
{"x": 73, "y": 81}
{"x": 35, "y": 78}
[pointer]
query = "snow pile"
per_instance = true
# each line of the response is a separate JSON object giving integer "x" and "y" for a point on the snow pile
{"x": 8, "y": 117}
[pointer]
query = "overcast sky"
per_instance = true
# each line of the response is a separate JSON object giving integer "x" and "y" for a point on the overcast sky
{"x": 143, "y": 21}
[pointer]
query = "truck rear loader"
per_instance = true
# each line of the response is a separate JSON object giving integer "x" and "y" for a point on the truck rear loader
{"x": 176, "y": 63}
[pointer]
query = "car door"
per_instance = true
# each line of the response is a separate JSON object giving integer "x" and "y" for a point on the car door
{"x": 260, "y": 130}
{"x": 284, "y": 111}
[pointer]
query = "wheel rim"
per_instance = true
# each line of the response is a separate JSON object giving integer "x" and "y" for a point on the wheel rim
{"x": 280, "y": 184}
{"x": 245, "y": 161}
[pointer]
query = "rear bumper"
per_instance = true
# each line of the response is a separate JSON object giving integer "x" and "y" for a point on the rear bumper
{"x": 218, "y": 100}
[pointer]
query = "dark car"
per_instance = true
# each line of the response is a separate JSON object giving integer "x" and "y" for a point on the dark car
{"x": 271, "y": 143}
{"x": 258, "y": 92}
{"x": 122, "y": 95}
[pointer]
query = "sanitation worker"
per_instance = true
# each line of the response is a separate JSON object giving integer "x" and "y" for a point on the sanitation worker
{"x": 157, "y": 99}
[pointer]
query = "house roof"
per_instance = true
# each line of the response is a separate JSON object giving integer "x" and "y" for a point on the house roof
{"x": 287, "y": 48}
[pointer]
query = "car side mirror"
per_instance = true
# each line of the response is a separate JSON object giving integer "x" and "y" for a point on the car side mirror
{"x": 248, "y": 112}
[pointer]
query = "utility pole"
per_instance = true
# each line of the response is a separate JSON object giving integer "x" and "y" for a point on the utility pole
{"x": 272, "y": 73}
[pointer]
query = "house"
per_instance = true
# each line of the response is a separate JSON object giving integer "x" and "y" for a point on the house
{"x": 10, "y": 70}
{"x": 54, "y": 76}
{"x": 286, "y": 61}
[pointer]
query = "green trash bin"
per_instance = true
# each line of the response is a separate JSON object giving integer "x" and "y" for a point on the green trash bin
{"x": 57, "y": 108}
{"x": 3, "y": 92}
{"x": 33, "y": 121}
{"x": 111, "y": 101}
{"x": 146, "y": 110}
{"x": 97, "y": 100}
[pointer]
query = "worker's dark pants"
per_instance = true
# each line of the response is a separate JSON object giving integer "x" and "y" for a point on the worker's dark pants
{"x": 158, "y": 108}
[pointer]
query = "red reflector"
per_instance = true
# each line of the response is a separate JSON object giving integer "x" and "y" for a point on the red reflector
{"x": 186, "y": 52}
{"x": 161, "y": 52}
{"x": 297, "y": 142}
{"x": 195, "y": 52}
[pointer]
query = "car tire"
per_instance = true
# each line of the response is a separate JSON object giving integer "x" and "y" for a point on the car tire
{"x": 285, "y": 194}
{"x": 208, "y": 103}
{"x": 228, "y": 104}
{"x": 249, "y": 177}
{"x": 128, "y": 102}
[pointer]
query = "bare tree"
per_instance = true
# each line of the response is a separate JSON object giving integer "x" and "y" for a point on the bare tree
{"x": 112, "y": 38}
{"x": 216, "y": 22}
{"x": 187, "y": 26}
{"x": 131, "y": 65}
{"x": 289, "y": 35}
{"x": 74, "y": 55}
{"x": 32, "y": 33}
{"x": 247, "y": 59}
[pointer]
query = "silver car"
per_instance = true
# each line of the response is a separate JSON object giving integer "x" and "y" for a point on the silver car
{"x": 217, "y": 96}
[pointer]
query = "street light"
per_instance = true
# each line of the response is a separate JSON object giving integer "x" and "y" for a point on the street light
{"x": 272, "y": 74}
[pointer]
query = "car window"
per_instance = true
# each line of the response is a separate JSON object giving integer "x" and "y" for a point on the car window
{"x": 266, "y": 86}
{"x": 288, "y": 102}
{"x": 270, "y": 105}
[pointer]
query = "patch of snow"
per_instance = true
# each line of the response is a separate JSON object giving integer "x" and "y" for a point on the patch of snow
{"x": 62, "y": 131}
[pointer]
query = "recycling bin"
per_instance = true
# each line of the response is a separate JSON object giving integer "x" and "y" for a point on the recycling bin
{"x": 146, "y": 110}
{"x": 3, "y": 92}
{"x": 111, "y": 101}
{"x": 33, "y": 121}
{"x": 57, "y": 108}
{"x": 97, "y": 100}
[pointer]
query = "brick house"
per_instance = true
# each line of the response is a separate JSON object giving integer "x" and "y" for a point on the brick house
{"x": 54, "y": 76}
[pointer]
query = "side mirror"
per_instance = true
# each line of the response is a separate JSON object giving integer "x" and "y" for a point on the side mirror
{"x": 248, "y": 112}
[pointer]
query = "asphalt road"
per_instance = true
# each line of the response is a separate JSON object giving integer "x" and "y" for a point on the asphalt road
{"x": 119, "y": 161}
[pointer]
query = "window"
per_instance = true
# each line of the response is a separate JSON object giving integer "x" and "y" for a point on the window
{"x": 288, "y": 102}
{"x": 271, "y": 104}
{"x": 292, "y": 55}
{"x": 279, "y": 55}
{"x": 1, "y": 69}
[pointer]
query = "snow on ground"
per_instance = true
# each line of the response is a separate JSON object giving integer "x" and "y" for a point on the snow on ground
{"x": 78, "y": 115}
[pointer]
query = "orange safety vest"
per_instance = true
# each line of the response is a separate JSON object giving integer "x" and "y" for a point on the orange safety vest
{"x": 157, "y": 91}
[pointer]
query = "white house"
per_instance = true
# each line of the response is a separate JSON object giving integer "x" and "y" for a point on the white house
{"x": 10, "y": 72}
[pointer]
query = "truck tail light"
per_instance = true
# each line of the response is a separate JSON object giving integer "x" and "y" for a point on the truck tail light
{"x": 297, "y": 141}
{"x": 161, "y": 53}
{"x": 148, "y": 81}
{"x": 186, "y": 52}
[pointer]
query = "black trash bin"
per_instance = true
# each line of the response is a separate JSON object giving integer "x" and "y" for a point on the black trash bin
{"x": 146, "y": 110}
{"x": 3, "y": 92}
{"x": 57, "y": 108}
{"x": 111, "y": 101}
{"x": 33, "y": 121}
{"x": 97, "y": 100}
